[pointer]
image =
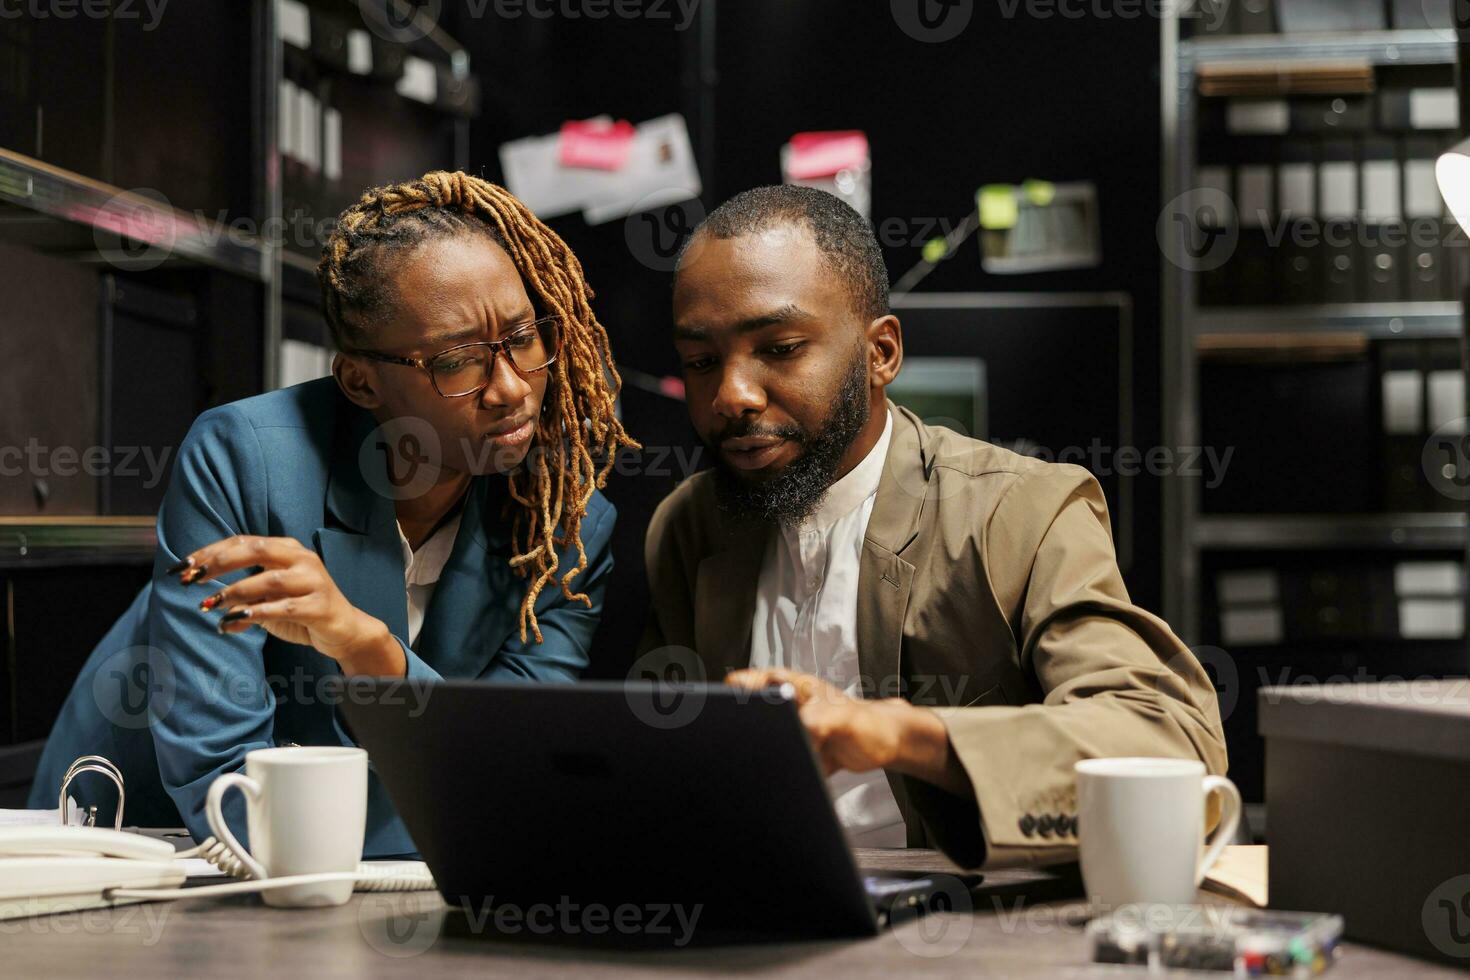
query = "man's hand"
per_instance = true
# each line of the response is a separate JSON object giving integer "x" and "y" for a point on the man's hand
{"x": 849, "y": 733}
{"x": 291, "y": 596}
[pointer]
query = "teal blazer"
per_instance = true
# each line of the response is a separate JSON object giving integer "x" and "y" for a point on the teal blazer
{"x": 174, "y": 703}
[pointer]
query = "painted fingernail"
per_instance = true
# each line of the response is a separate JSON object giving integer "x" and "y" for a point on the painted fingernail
{"x": 176, "y": 569}
{"x": 211, "y": 602}
{"x": 234, "y": 616}
{"x": 194, "y": 574}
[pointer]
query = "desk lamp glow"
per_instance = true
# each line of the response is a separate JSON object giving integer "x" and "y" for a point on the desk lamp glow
{"x": 1452, "y": 172}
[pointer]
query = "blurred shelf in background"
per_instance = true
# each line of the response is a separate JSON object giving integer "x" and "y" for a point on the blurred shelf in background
{"x": 1313, "y": 333}
{"x": 66, "y": 215}
{"x": 41, "y": 542}
{"x": 1374, "y": 320}
{"x": 1387, "y": 532}
{"x": 1395, "y": 47}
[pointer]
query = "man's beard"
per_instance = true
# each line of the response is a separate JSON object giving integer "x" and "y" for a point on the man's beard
{"x": 793, "y": 494}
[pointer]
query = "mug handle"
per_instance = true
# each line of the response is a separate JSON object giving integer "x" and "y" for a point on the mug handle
{"x": 221, "y": 830}
{"x": 1229, "y": 821}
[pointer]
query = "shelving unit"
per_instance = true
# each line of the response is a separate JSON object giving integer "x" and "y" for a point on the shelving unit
{"x": 135, "y": 299}
{"x": 1186, "y": 531}
{"x": 58, "y": 213}
{"x": 1290, "y": 595}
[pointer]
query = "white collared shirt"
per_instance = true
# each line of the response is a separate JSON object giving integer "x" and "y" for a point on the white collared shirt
{"x": 421, "y": 571}
{"x": 806, "y": 620}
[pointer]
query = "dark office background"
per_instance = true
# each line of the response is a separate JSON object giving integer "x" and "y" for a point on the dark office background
{"x": 1009, "y": 99}
{"x": 184, "y": 109}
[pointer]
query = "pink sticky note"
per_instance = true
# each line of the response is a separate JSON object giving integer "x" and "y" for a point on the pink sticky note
{"x": 595, "y": 144}
{"x": 824, "y": 154}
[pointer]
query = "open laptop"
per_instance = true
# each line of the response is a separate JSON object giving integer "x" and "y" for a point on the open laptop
{"x": 608, "y": 794}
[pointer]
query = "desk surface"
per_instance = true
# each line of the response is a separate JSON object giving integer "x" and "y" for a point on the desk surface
{"x": 1024, "y": 925}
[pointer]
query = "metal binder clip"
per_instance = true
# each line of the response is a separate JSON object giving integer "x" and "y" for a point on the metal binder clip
{"x": 92, "y": 763}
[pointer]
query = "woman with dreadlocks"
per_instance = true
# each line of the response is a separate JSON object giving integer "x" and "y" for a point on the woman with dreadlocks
{"x": 432, "y": 510}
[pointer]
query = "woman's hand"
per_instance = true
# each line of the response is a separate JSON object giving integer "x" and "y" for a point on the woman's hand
{"x": 291, "y": 596}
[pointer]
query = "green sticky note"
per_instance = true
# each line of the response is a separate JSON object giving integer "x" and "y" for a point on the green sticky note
{"x": 999, "y": 210}
{"x": 1039, "y": 192}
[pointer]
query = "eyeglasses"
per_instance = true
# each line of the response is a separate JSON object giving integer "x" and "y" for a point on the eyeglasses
{"x": 467, "y": 369}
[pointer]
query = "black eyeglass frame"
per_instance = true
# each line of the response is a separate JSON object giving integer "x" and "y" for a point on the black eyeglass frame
{"x": 496, "y": 348}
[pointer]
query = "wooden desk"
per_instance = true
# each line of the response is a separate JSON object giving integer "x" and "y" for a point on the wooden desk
{"x": 1024, "y": 925}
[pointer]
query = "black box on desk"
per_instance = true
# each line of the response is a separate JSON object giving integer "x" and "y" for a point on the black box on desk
{"x": 1367, "y": 787}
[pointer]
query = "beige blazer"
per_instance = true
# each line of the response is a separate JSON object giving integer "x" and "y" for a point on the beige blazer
{"x": 989, "y": 590}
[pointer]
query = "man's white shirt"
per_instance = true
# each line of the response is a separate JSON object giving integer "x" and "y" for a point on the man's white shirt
{"x": 806, "y": 620}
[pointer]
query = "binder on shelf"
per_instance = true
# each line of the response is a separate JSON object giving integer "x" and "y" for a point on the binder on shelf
{"x": 1418, "y": 109}
{"x": 1255, "y": 256}
{"x": 328, "y": 41}
{"x": 1431, "y": 599}
{"x": 387, "y": 59}
{"x": 1257, "y": 117}
{"x": 1335, "y": 603}
{"x": 1300, "y": 253}
{"x": 1427, "y": 276}
{"x": 1384, "y": 235}
{"x": 1255, "y": 17}
{"x": 1334, "y": 114}
{"x": 1444, "y": 403}
{"x": 1401, "y": 406}
{"x": 1338, "y": 179}
{"x": 1249, "y": 602}
{"x": 1216, "y": 286}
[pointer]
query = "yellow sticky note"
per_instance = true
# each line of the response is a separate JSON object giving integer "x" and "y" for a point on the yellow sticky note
{"x": 999, "y": 210}
{"x": 1040, "y": 192}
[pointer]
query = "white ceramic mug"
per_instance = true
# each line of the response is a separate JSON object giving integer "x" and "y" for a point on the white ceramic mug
{"x": 1141, "y": 826}
{"x": 306, "y": 809}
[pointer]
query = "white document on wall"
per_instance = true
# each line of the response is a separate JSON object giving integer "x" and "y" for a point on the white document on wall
{"x": 660, "y": 171}
{"x": 533, "y": 173}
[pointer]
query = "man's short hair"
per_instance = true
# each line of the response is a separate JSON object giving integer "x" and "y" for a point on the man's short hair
{"x": 844, "y": 236}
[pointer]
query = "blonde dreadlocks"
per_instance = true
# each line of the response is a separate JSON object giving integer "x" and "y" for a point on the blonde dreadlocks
{"x": 578, "y": 434}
